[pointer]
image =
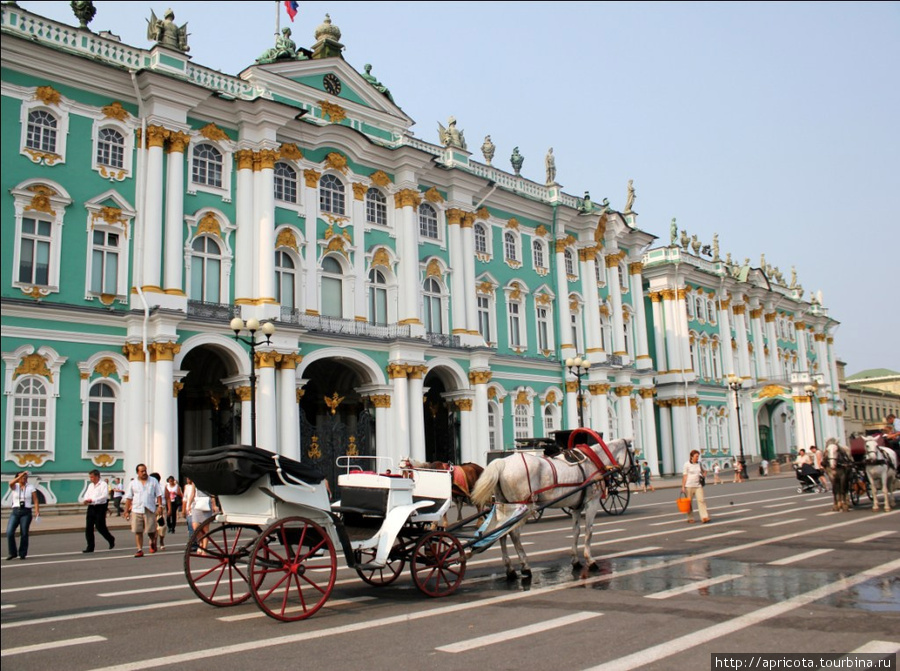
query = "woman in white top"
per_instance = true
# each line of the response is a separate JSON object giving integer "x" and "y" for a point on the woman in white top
{"x": 691, "y": 486}
{"x": 25, "y": 504}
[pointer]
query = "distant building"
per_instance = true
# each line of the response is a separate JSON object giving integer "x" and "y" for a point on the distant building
{"x": 425, "y": 302}
{"x": 869, "y": 396}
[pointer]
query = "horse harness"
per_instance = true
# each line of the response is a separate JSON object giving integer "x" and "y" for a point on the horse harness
{"x": 576, "y": 456}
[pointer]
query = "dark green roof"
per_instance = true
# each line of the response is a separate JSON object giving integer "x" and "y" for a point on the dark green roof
{"x": 873, "y": 372}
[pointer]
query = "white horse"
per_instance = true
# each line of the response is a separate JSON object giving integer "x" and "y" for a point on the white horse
{"x": 539, "y": 480}
{"x": 881, "y": 467}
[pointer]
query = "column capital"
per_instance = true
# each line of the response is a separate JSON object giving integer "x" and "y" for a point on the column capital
{"x": 613, "y": 260}
{"x": 756, "y": 313}
{"x": 133, "y": 351}
{"x": 163, "y": 351}
{"x": 407, "y": 198}
{"x": 646, "y": 393}
{"x": 454, "y": 216}
{"x": 480, "y": 376}
{"x": 396, "y": 370}
{"x": 739, "y": 310}
{"x": 770, "y": 317}
{"x": 157, "y": 136}
{"x": 289, "y": 361}
{"x": 265, "y": 159}
{"x": 416, "y": 372}
{"x": 635, "y": 268}
{"x": 177, "y": 142}
{"x": 359, "y": 190}
{"x": 268, "y": 359}
{"x": 312, "y": 178}
{"x": 381, "y": 400}
{"x": 599, "y": 389}
{"x": 243, "y": 393}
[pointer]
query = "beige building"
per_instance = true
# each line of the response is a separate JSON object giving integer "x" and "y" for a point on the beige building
{"x": 868, "y": 396}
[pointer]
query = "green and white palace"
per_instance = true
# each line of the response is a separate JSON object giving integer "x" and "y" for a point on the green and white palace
{"x": 424, "y": 300}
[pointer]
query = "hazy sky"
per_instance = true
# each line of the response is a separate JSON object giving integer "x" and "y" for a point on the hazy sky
{"x": 776, "y": 125}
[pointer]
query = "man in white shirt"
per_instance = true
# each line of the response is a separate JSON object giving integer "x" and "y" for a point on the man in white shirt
{"x": 96, "y": 497}
{"x": 143, "y": 496}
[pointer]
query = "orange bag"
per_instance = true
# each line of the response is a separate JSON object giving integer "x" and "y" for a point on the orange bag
{"x": 684, "y": 504}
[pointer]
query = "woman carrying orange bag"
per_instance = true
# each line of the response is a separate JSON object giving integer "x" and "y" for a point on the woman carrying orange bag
{"x": 692, "y": 479}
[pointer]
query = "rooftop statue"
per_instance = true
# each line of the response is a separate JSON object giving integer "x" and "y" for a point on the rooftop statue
{"x": 487, "y": 149}
{"x": 517, "y": 160}
{"x": 715, "y": 247}
{"x": 793, "y": 277}
{"x": 762, "y": 261}
{"x": 695, "y": 244}
{"x": 629, "y": 199}
{"x": 381, "y": 88}
{"x": 451, "y": 136}
{"x": 586, "y": 204}
{"x": 84, "y": 12}
{"x": 685, "y": 240}
{"x": 673, "y": 232}
{"x": 550, "y": 164}
{"x": 166, "y": 33}
{"x": 285, "y": 49}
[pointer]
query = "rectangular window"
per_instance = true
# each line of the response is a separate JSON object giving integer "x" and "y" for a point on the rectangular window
{"x": 484, "y": 318}
{"x": 34, "y": 253}
{"x": 105, "y": 263}
{"x": 515, "y": 339}
{"x": 543, "y": 329}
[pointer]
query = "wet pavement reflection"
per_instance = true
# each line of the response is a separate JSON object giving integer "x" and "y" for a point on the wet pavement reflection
{"x": 771, "y": 583}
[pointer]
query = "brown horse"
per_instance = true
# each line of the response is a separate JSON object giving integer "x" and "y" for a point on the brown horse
{"x": 464, "y": 477}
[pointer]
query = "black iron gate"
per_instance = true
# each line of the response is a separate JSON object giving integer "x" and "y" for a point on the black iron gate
{"x": 331, "y": 437}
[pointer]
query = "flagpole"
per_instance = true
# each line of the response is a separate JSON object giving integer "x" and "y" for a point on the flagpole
{"x": 277, "y": 18}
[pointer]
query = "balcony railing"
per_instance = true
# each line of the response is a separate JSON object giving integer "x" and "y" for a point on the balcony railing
{"x": 442, "y": 340}
{"x": 352, "y": 327}
{"x": 213, "y": 311}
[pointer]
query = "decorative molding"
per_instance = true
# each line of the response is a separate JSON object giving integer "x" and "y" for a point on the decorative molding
{"x": 433, "y": 195}
{"x": 47, "y": 95}
{"x": 212, "y": 132}
{"x": 335, "y": 112}
{"x": 336, "y": 161}
{"x": 33, "y": 364}
{"x": 407, "y": 198}
{"x": 115, "y": 111}
{"x": 290, "y": 151}
{"x": 480, "y": 376}
{"x": 380, "y": 178}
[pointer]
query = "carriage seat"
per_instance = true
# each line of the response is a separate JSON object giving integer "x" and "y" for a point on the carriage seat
{"x": 372, "y": 493}
{"x": 435, "y": 486}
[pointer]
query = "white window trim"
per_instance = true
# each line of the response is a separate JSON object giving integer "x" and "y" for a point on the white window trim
{"x": 297, "y": 207}
{"x": 54, "y": 363}
{"x": 492, "y": 315}
{"x": 551, "y": 342}
{"x": 123, "y": 226}
{"x": 391, "y": 285}
{"x": 61, "y": 112}
{"x": 497, "y": 431}
{"x": 551, "y": 410}
{"x": 225, "y": 230}
{"x": 43, "y": 207}
{"x": 441, "y": 238}
{"x": 573, "y": 276}
{"x": 298, "y": 272}
{"x": 521, "y": 302}
{"x": 348, "y": 284}
{"x": 514, "y": 263}
{"x": 86, "y": 368}
{"x": 528, "y": 430}
{"x": 226, "y": 148}
{"x": 389, "y": 224}
{"x": 577, "y": 314}
{"x": 488, "y": 241}
{"x": 445, "y": 299}
{"x": 127, "y": 131}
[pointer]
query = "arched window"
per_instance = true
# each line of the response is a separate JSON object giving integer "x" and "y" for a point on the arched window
{"x": 433, "y": 306}
{"x": 537, "y": 253}
{"x": 495, "y": 436}
{"x": 111, "y": 148}
{"x": 376, "y": 207}
{"x": 41, "y": 133}
{"x": 332, "y": 287}
{"x": 428, "y": 223}
{"x": 700, "y": 308}
{"x": 285, "y": 183}
{"x": 207, "y": 166}
{"x": 331, "y": 195}
{"x": 206, "y": 270}
{"x": 570, "y": 262}
{"x": 711, "y": 312}
{"x": 30, "y": 416}
{"x": 550, "y": 423}
{"x": 510, "y": 251}
{"x": 522, "y": 421}
{"x": 481, "y": 246}
{"x": 378, "y": 297}
{"x": 285, "y": 279}
{"x": 101, "y": 418}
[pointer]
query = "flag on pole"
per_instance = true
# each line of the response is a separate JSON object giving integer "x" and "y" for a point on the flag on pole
{"x": 291, "y": 8}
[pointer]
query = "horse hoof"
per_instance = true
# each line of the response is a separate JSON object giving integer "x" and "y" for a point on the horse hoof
{"x": 526, "y": 574}
{"x": 593, "y": 567}
{"x": 576, "y": 563}
{"x": 510, "y": 576}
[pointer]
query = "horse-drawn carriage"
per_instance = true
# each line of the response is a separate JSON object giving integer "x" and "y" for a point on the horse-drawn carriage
{"x": 276, "y": 536}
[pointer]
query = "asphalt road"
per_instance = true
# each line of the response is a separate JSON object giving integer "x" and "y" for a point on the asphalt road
{"x": 774, "y": 572}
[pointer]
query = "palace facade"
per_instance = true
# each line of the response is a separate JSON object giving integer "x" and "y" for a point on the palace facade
{"x": 424, "y": 302}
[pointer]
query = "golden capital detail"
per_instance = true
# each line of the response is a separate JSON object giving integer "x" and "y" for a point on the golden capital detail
{"x": 668, "y": 294}
{"x": 396, "y": 370}
{"x": 381, "y": 400}
{"x": 646, "y": 393}
{"x": 770, "y": 317}
{"x": 819, "y": 337}
{"x": 244, "y": 159}
{"x": 613, "y": 260}
{"x": 598, "y": 389}
{"x": 454, "y": 216}
{"x": 740, "y": 309}
{"x": 464, "y": 404}
{"x": 407, "y": 198}
{"x": 359, "y": 190}
{"x": 289, "y": 361}
{"x": 163, "y": 351}
{"x": 756, "y": 313}
{"x": 268, "y": 359}
{"x": 624, "y": 390}
{"x": 243, "y": 393}
{"x": 336, "y": 113}
{"x": 157, "y": 136}
{"x": 265, "y": 159}
{"x": 635, "y": 268}
{"x": 133, "y": 351}
{"x": 480, "y": 376}
{"x": 178, "y": 141}
{"x": 416, "y": 372}
{"x": 312, "y": 178}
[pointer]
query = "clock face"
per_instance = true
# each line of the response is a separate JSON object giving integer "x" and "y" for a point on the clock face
{"x": 332, "y": 84}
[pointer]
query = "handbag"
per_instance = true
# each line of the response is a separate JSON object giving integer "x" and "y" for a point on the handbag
{"x": 201, "y": 503}
{"x": 703, "y": 481}
{"x": 684, "y": 504}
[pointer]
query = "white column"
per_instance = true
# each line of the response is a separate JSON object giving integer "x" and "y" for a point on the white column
{"x": 673, "y": 351}
{"x": 648, "y": 423}
{"x": 400, "y": 412}
{"x": 457, "y": 275}
{"x": 288, "y": 410}
{"x": 837, "y": 405}
{"x": 593, "y": 342}
{"x": 759, "y": 351}
{"x": 136, "y": 451}
{"x": 642, "y": 353}
{"x": 264, "y": 200}
{"x": 174, "y": 254}
{"x": 479, "y": 380}
{"x": 266, "y": 401}
{"x": 244, "y": 244}
{"x": 684, "y": 338}
{"x": 467, "y": 430}
{"x": 740, "y": 329}
{"x": 802, "y": 351}
{"x": 246, "y": 410}
{"x": 383, "y": 445}
{"x": 164, "y": 458}
{"x": 571, "y": 404}
{"x": 407, "y": 201}
{"x": 562, "y": 300}
{"x": 681, "y": 433}
{"x": 153, "y": 201}
{"x": 600, "y": 409}
{"x": 416, "y": 412}
{"x": 693, "y": 410}
{"x": 623, "y": 409}
{"x": 727, "y": 354}
{"x": 771, "y": 336}
{"x": 468, "y": 264}
{"x": 613, "y": 283}
{"x": 659, "y": 332}
{"x": 665, "y": 433}
{"x": 311, "y": 214}
{"x": 358, "y": 217}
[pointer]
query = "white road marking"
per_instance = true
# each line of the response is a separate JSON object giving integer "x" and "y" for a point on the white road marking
{"x": 79, "y": 583}
{"x": 693, "y": 586}
{"x": 250, "y": 646}
{"x": 661, "y": 651}
{"x": 205, "y": 583}
{"x": 7, "y": 605}
{"x": 872, "y": 537}
{"x": 520, "y": 632}
{"x": 793, "y": 559}
{"x": 331, "y": 603}
{"x": 781, "y": 505}
{"x": 99, "y": 613}
{"x": 878, "y": 648}
{"x": 50, "y": 645}
{"x": 790, "y": 521}
{"x": 713, "y": 537}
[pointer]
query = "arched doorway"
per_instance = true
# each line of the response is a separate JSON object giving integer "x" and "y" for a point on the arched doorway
{"x": 208, "y": 411}
{"x": 441, "y": 422}
{"x": 334, "y": 419}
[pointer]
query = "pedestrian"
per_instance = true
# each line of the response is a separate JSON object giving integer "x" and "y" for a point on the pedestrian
{"x": 142, "y": 497}
{"x": 173, "y": 502}
{"x": 201, "y": 509}
{"x": 816, "y": 459}
{"x": 186, "y": 500}
{"x": 161, "y": 527}
{"x": 96, "y": 497}
{"x": 693, "y": 477}
{"x": 645, "y": 471}
{"x": 738, "y": 471}
{"x": 764, "y": 467}
{"x": 25, "y": 504}
{"x": 117, "y": 490}
{"x": 717, "y": 469}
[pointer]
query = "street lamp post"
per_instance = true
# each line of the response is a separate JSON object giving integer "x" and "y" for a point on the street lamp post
{"x": 736, "y": 384}
{"x": 579, "y": 368}
{"x": 810, "y": 394}
{"x": 252, "y": 326}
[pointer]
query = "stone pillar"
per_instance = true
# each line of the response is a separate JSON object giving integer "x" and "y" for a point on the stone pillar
{"x": 416, "y": 375}
{"x": 264, "y": 201}
{"x": 266, "y": 401}
{"x": 407, "y": 202}
{"x": 740, "y": 329}
{"x": 615, "y": 296}
{"x": 153, "y": 201}
{"x": 311, "y": 213}
{"x": 600, "y": 409}
{"x": 659, "y": 332}
{"x": 383, "y": 445}
{"x": 642, "y": 352}
{"x": 771, "y": 336}
{"x": 400, "y": 411}
{"x": 288, "y": 411}
{"x": 683, "y": 331}
{"x": 623, "y": 410}
{"x": 457, "y": 283}
{"x": 681, "y": 433}
{"x": 594, "y": 352}
{"x": 467, "y": 230}
{"x": 136, "y": 450}
{"x": 244, "y": 239}
{"x": 358, "y": 217}
{"x": 759, "y": 353}
{"x": 246, "y": 412}
{"x": 802, "y": 351}
{"x": 693, "y": 411}
{"x": 564, "y": 315}
{"x": 174, "y": 256}
{"x": 164, "y": 456}
{"x": 466, "y": 429}
{"x": 837, "y": 407}
{"x": 665, "y": 435}
{"x": 648, "y": 422}
{"x": 670, "y": 335}
{"x": 725, "y": 337}
{"x": 479, "y": 379}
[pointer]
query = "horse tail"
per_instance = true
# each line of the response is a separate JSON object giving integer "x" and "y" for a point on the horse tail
{"x": 487, "y": 483}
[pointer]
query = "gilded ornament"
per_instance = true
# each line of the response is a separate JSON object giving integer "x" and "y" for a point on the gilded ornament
{"x": 551, "y": 397}
{"x": 298, "y": 394}
{"x": 265, "y": 159}
{"x": 176, "y": 388}
{"x": 634, "y": 405}
{"x": 33, "y": 364}
{"x": 407, "y": 198}
{"x": 635, "y": 268}
{"x": 290, "y": 151}
{"x": 468, "y": 220}
{"x": 111, "y": 215}
{"x": 646, "y": 393}
{"x": 434, "y": 196}
{"x": 604, "y": 310}
{"x": 571, "y": 386}
{"x": 286, "y": 238}
{"x": 163, "y": 351}
{"x": 486, "y": 288}
{"x": 574, "y": 305}
{"x": 624, "y": 390}
{"x": 492, "y": 393}
{"x": 483, "y": 214}
{"x": 243, "y": 393}
{"x": 335, "y": 113}
{"x": 115, "y": 111}
{"x": 268, "y": 359}
{"x": 739, "y": 309}
{"x": 133, "y": 352}
{"x": 543, "y": 299}
{"x": 819, "y": 337}
{"x": 522, "y": 398}
{"x": 598, "y": 389}
{"x": 600, "y": 231}
{"x": 45, "y": 157}
{"x": 333, "y": 402}
{"x": 380, "y": 178}
{"x": 480, "y": 376}
{"x": 359, "y": 190}
{"x": 416, "y": 372}
{"x": 47, "y": 95}
{"x": 352, "y": 450}
{"x": 381, "y": 258}
{"x": 178, "y": 141}
{"x": 541, "y": 231}
{"x": 40, "y": 202}
{"x": 103, "y": 460}
{"x": 433, "y": 269}
{"x": 244, "y": 159}
{"x": 381, "y": 400}
{"x": 464, "y": 405}
{"x": 314, "y": 452}
{"x": 212, "y": 132}
{"x": 157, "y": 136}
{"x": 513, "y": 224}
{"x": 756, "y": 313}
{"x": 289, "y": 361}
{"x": 209, "y": 223}
{"x": 396, "y": 370}
{"x": 105, "y": 367}
{"x": 336, "y": 161}
{"x": 516, "y": 293}
{"x": 613, "y": 260}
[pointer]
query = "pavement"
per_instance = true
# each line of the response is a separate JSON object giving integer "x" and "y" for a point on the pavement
{"x": 70, "y": 517}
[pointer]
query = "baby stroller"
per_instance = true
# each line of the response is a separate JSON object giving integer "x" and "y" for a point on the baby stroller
{"x": 809, "y": 480}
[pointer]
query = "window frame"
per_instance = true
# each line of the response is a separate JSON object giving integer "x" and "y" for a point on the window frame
{"x": 332, "y": 195}
{"x": 194, "y": 254}
{"x": 226, "y": 150}
{"x": 429, "y": 297}
{"x": 43, "y": 201}
{"x": 423, "y": 219}
{"x": 294, "y": 181}
{"x": 106, "y": 170}
{"x": 60, "y": 112}
{"x": 373, "y": 206}
{"x": 50, "y": 381}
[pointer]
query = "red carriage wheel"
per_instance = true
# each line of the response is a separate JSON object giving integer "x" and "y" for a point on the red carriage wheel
{"x": 618, "y": 494}
{"x": 216, "y": 563}
{"x": 384, "y": 575}
{"x": 292, "y": 569}
{"x": 438, "y": 564}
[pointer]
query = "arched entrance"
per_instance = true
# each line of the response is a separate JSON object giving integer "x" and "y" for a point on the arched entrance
{"x": 441, "y": 422}
{"x": 208, "y": 411}
{"x": 334, "y": 419}
{"x": 775, "y": 426}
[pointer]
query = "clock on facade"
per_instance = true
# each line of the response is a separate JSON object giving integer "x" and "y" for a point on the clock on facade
{"x": 332, "y": 84}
